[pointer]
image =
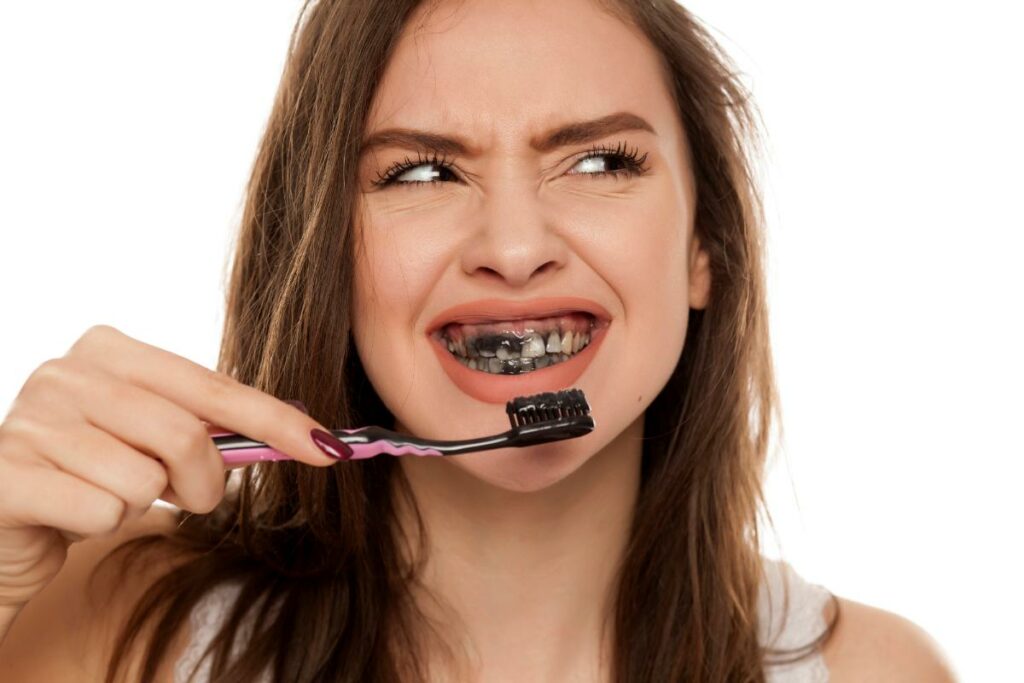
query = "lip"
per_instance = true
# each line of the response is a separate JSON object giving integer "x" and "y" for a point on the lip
{"x": 497, "y": 310}
{"x": 502, "y": 388}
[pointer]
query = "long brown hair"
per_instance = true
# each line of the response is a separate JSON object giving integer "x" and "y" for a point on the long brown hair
{"x": 315, "y": 551}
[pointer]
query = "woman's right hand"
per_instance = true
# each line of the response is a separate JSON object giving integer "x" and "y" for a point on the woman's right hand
{"x": 95, "y": 437}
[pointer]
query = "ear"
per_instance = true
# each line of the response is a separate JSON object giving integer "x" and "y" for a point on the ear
{"x": 700, "y": 274}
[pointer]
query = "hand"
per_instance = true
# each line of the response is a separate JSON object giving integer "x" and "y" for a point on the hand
{"x": 95, "y": 437}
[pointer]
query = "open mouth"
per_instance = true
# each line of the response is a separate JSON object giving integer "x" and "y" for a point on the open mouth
{"x": 517, "y": 347}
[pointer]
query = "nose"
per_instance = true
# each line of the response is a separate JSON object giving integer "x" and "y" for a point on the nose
{"x": 515, "y": 243}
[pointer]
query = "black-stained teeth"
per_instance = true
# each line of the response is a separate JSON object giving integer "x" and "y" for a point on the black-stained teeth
{"x": 517, "y": 351}
{"x": 512, "y": 366}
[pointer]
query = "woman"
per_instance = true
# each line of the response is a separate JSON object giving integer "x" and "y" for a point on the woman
{"x": 426, "y": 164}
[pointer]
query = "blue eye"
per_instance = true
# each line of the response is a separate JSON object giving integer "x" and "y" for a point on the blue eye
{"x": 624, "y": 162}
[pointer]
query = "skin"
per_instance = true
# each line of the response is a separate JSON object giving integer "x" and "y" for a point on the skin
{"x": 524, "y": 541}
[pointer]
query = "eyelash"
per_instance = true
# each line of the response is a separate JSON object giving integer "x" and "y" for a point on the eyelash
{"x": 634, "y": 165}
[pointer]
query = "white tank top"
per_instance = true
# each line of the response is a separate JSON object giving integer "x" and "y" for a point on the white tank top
{"x": 776, "y": 629}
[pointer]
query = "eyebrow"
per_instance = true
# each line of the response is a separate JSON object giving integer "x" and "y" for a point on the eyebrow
{"x": 574, "y": 133}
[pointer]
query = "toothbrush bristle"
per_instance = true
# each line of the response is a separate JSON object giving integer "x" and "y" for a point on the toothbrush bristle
{"x": 526, "y": 410}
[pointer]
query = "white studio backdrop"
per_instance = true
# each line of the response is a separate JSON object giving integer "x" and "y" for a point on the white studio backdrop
{"x": 892, "y": 180}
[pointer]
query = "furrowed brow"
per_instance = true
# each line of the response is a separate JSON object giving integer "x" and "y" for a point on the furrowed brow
{"x": 588, "y": 131}
{"x": 449, "y": 145}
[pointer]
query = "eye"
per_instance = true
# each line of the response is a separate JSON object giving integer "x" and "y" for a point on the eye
{"x": 623, "y": 162}
{"x": 399, "y": 169}
{"x": 626, "y": 163}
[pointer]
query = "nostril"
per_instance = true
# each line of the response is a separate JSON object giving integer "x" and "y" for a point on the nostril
{"x": 550, "y": 265}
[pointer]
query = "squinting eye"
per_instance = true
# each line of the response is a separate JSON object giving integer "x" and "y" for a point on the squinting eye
{"x": 626, "y": 163}
{"x": 623, "y": 162}
{"x": 417, "y": 174}
{"x": 421, "y": 177}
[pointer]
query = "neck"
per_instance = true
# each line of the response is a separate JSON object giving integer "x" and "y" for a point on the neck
{"x": 522, "y": 585}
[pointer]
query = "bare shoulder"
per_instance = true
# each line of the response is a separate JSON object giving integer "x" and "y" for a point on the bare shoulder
{"x": 871, "y": 644}
{"x": 67, "y": 632}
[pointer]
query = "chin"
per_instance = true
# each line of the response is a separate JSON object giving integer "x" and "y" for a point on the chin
{"x": 526, "y": 470}
{"x": 430, "y": 396}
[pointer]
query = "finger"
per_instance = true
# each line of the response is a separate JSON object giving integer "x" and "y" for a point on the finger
{"x": 106, "y": 462}
{"x": 176, "y": 441}
{"x": 217, "y": 430}
{"x": 70, "y": 504}
{"x": 212, "y": 396}
{"x": 174, "y": 438}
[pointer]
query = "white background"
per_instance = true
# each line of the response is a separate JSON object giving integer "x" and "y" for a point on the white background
{"x": 893, "y": 179}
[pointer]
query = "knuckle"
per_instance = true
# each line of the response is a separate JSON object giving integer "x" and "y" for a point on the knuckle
{"x": 97, "y": 336}
{"x": 15, "y": 430}
{"x": 48, "y": 375}
{"x": 151, "y": 483}
{"x": 113, "y": 392}
{"x": 204, "y": 496}
{"x": 190, "y": 440}
{"x": 210, "y": 503}
{"x": 56, "y": 375}
{"x": 106, "y": 517}
{"x": 221, "y": 383}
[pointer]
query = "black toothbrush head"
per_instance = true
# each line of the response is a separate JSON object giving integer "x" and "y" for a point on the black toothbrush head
{"x": 549, "y": 416}
{"x": 528, "y": 410}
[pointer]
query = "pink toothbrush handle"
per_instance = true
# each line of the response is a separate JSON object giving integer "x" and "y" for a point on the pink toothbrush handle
{"x": 364, "y": 451}
{"x": 247, "y": 456}
{"x": 240, "y": 457}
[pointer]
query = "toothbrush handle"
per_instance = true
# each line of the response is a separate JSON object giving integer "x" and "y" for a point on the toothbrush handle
{"x": 365, "y": 442}
{"x": 238, "y": 450}
{"x": 365, "y": 451}
{"x": 240, "y": 457}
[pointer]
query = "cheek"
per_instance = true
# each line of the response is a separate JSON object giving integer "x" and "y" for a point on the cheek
{"x": 384, "y": 278}
{"x": 640, "y": 250}
{"x": 396, "y": 267}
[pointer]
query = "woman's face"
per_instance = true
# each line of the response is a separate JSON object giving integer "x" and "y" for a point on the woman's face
{"x": 571, "y": 197}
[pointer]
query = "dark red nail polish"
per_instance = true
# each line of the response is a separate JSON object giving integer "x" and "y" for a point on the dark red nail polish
{"x": 330, "y": 445}
{"x": 298, "y": 404}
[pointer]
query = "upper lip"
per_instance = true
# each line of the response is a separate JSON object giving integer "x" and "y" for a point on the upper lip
{"x": 496, "y": 310}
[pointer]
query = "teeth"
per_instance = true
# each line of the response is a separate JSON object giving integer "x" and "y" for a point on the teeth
{"x": 554, "y": 344}
{"x": 533, "y": 347}
{"x": 513, "y": 366}
{"x": 535, "y": 353}
{"x": 567, "y": 343}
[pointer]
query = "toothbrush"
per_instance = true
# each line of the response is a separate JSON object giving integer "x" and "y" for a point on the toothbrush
{"x": 536, "y": 419}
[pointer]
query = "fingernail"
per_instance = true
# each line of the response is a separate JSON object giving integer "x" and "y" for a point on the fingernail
{"x": 298, "y": 404}
{"x": 330, "y": 445}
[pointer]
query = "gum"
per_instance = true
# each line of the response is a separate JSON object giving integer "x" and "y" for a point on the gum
{"x": 575, "y": 322}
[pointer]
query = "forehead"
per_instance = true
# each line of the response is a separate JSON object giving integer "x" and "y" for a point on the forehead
{"x": 503, "y": 69}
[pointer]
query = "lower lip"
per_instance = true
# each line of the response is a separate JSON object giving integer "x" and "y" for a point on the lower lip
{"x": 502, "y": 388}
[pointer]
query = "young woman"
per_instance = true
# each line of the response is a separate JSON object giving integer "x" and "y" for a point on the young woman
{"x": 433, "y": 173}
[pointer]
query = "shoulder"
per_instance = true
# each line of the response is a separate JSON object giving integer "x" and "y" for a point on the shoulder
{"x": 871, "y": 644}
{"x": 68, "y": 631}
